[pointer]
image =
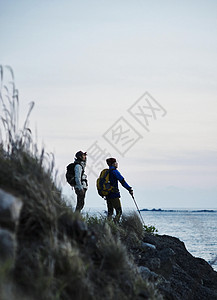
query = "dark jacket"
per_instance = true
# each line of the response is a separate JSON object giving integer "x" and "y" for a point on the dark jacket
{"x": 115, "y": 176}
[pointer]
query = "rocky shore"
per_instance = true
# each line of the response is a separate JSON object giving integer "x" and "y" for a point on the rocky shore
{"x": 181, "y": 275}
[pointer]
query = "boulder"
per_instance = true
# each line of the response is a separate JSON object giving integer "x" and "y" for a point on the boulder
{"x": 10, "y": 207}
{"x": 147, "y": 246}
{"x": 7, "y": 245}
{"x": 147, "y": 274}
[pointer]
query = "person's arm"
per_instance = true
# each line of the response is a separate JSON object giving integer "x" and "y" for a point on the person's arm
{"x": 121, "y": 179}
{"x": 78, "y": 171}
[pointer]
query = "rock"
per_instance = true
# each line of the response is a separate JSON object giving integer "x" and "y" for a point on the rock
{"x": 147, "y": 245}
{"x": 10, "y": 207}
{"x": 167, "y": 260}
{"x": 155, "y": 263}
{"x": 182, "y": 276}
{"x": 147, "y": 274}
{"x": 7, "y": 245}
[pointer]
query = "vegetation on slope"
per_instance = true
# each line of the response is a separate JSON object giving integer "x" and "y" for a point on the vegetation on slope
{"x": 60, "y": 254}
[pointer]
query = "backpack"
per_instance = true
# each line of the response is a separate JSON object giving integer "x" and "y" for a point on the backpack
{"x": 70, "y": 173}
{"x": 103, "y": 184}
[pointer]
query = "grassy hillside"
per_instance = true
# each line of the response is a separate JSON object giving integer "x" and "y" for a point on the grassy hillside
{"x": 61, "y": 254}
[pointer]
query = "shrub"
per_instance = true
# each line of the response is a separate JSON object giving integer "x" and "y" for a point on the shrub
{"x": 114, "y": 253}
{"x": 132, "y": 223}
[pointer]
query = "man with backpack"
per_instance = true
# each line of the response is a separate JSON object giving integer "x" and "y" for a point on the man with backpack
{"x": 77, "y": 178}
{"x": 113, "y": 197}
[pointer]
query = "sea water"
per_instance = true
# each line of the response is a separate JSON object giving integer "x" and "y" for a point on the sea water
{"x": 197, "y": 229}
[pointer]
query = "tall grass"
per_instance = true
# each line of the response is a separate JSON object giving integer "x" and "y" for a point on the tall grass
{"x": 60, "y": 254}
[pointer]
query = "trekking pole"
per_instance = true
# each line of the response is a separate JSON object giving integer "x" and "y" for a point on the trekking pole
{"x": 138, "y": 211}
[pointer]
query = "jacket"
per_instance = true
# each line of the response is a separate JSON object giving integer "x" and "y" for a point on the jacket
{"x": 80, "y": 176}
{"x": 114, "y": 177}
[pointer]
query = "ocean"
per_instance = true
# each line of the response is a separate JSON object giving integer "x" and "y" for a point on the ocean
{"x": 196, "y": 228}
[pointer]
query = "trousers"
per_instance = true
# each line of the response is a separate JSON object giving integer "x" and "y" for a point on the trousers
{"x": 114, "y": 204}
{"x": 80, "y": 199}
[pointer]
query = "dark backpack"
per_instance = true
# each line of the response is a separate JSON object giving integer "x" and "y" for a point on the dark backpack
{"x": 70, "y": 173}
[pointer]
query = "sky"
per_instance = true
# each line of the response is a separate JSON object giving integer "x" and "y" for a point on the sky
{"x": 135, "y": 80}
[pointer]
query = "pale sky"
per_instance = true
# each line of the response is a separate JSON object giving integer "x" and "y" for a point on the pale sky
{"x": 85, "y": 63}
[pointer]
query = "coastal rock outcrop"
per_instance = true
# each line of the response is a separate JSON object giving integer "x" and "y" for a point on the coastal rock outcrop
{"x": 179, "y": 274}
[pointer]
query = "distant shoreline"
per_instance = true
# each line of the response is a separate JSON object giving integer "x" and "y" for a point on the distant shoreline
{"x": 179, "y": 210}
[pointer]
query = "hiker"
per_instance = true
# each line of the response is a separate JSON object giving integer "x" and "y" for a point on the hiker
{"x": 113, "y": 198}
{"x": 80, "y": 178}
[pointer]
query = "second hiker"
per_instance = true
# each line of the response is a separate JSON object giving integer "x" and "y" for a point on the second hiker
{"x": 81, "y": 184}
{"x": 113, "y": 198}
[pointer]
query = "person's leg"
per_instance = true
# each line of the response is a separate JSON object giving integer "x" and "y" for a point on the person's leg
{"x": 118, "y": 209}
{"x": 110, "y": 208}
{"x": 80, "y": 199}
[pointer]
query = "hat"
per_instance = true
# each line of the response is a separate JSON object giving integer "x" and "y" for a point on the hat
{"x": 80, "y": 153}
{"x": 110, "y": 161}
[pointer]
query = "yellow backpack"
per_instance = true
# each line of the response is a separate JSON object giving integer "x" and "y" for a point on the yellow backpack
{"x": 103, "y": 183}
